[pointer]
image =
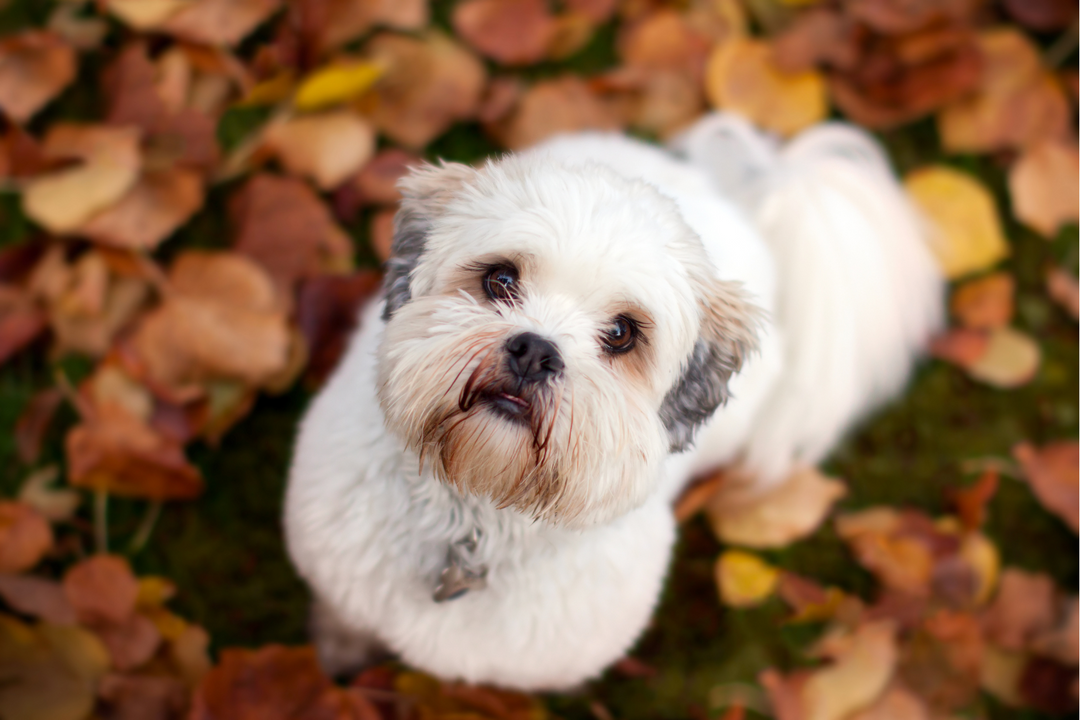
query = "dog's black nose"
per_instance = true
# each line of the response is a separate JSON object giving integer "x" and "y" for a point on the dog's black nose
{"x": 532, "y": 358}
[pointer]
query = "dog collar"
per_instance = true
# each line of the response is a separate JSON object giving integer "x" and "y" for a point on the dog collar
{"x": 462, "y": 572}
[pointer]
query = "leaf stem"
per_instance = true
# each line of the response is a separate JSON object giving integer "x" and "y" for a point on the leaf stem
{"x": 146, "y": 527}
{"x": 101, "y": 520}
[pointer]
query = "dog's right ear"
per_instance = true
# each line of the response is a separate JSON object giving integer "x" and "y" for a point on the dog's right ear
{"x": 425, "y": 192}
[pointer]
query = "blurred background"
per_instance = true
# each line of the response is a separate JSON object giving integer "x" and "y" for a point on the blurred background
{"x": 196, "y": 197}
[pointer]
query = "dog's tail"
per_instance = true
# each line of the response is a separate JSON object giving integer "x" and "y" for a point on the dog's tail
{"x": 859, "y": 293}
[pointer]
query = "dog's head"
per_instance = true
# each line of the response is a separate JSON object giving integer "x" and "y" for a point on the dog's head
{"x": 552, "y": 333}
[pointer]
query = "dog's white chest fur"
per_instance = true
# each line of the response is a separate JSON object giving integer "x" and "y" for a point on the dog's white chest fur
{"x": 553, "y": 330}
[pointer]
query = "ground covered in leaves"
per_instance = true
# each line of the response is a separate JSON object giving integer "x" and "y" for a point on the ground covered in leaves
{"x": 196, "y": 195}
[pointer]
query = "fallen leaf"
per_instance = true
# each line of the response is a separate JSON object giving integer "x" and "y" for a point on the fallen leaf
{"x": 968, "y": 235}
{"x": 817, "y": 36}
{"x": 899, "y": 560}
{"x": 327, "y": 312}
{"x": 1052, "y": 473}
{"x": 985, "y": 303}
{"x": 1041, "y": 15}
{"x": 101, "y": 589}
{"x": 1001, "y": 673}
{"x": 37, "y": 597}
{"x": 1060, "y": 642}
{"x": 145, "y": 14}
{"x": 942, "y": 660}
{"x": 810, "y": 601}
{"x": 336, "y": 84}
{"x": 25, "y": 537}
{"x": 153, "y": 209}
{"x": 744, "y": 580}
{"x": 981, "y": 555}
{"x": 130, "y": 643}
{"x": 284, "y": 227}
{"x": 1064, "y": 290}
{"x": 550, "y": 107}
{"x": 20, "y": 323}
{"x": 1023, "y": 609}
{"x": 345, "y": 20}
{"x": 863, "y": 664}
{"x": 50, "y": 672}
{"x": 377, "y": 181}
{"x": 33, "y": 424}
{"x": 1012, "y": 359}
{"x": 896, "y": 703}
{"x": 190, "y": 653}
{"x": 1049, "y": 687}
{"x": 53, "y": 504}
{"x": 665, "y": 40}
{"x": 960, "y": 346}
{"x": 788, "y": 512}
{"x": 971, "y": 501}
{"x": 511, "y": 32}
{"x": 742, "y": 77}
{"x": 218, "y": 22}
{"x": 1015, "y": 102}
{"x": 697, "y": 495}
{"x": 784, "y": 693}
{"x": 82, "y": 33}
{"x": 430, "y": 83}
{"x": 34, "y": 67}
{"x": 328, "y": 147}
{"x": 143, "y": 697}
{"x": 61, "y": 201}
{"x": 1044, "y": 184}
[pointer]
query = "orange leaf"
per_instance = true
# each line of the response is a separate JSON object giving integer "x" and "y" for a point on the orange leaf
{"x": 985, "y": 303}
{"x": 101, "y": 589}
{"x": 1045, "y": 186}
{"x": 158, "y": 204}
{"x": 550, "y": 107}
{"x": 512, "y": 32}
{"x": 1052, "y": 473}
{"x": 34, "y": 67}
{"x": 327, "y": 147}
{"x": 25, "y": 537}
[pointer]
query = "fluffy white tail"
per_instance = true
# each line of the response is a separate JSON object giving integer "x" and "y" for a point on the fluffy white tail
{"x": 858, "y": 291}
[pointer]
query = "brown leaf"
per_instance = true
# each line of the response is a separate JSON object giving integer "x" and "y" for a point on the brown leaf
{"x": 430, "y": 83}
{"x": 985, "y": 303}
{"x": 785, "y": 693}
{"x": 33, "y": 424}
{"x": 143, "y": 697}
{"x": 511, "y": 32}
{"x": 817, "y": 36}
{"x": 63, "y": 200}
{"x": 896, "y": 703}
{"x": 1064, "y": 290}
{"x": 218, "y": 22}
{"x": 158, "y": 204}
{"x": 899, "y": 561}
{"x": 382, "y": 233}
{"x": 1014, "y": 104}
{"x": 1023, "y": 609}
{"x": 131, "y": 643}
{"x": 328, "y": 147}
{"x": 1044, "y": 184}
{"x": 37, "y": 597}
{"x": 695, "y": 497}
{"x": 743, "y": 77}
{"x": 900, "y": 16}
{"x": 271, "y": 683}
{"x": 34, "y": 67}
{"x": 664, "y": 40}
{"x": 1049, "y": 686}
{"x": 190, "y": 653}
{"x": 116, "y": 452}
{"x": 101, "y": 589}
{"x": 550, "y": 107}
{"x": 376, "y": 182}
{"x": 788, "y": 512}
{"x": 1042, "y": 15}
{"x": 50, "y": 672}
{"x": 20, "y": 322}
{"x": 941, "y": 661}
{"x": 971, "y": 501}
{"x": 1052, "y": 473}
{"x": 342, "y": 21}
{"x": 599, "y": 11}
{"x": 328, "y": 310}
{"x": 1060, "y": 642}
{"x": 284, "y": 226}
{"x": 960, "y": 346}
{"x": 25, "y": 537}
{"x": 863, "y": 664}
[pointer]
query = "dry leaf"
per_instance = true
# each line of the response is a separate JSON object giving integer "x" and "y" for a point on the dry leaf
{"x": 665, "y": 40}
{"x": 218, "y": 22}
{"x": 1016, "y": 102}
{"x": 328, "y": 147}
{"x": 20, "y": 323}
{"x": 54, "y": 504}
{"x": 744, "y": 580}
{"x": 154, "y": 208}
{"x": 327, "y": 311}
{"x": 130, "y": 643}
{"x": 982, "y": 557}
{"x": 376, "y": 183}
{"x": 960, "y": 346}
{"x": 50, "y": 672}
{"x": 345, "y": 20}
{"x": 551, "y": 107}
{"x": 101, "y": 589}
{"x": 25, "y": 537}
{"x": 336, "y": 84}
{"x": 1001, "y": 673}
{"x": 37, "y": 597}
{"x": 968, "y": 236}
{"x": 896, "y": 703}
{"x": 511, "y": 32}
{"x": 1023, "y": 609}
{"x": 1012, "y": 359}
{"x": 788, "y": 512}
{"x": 145, "y": 14}
{"x": 697, "y": 495}
{"x": 1045, "y": 186}
{"x": 1052, "y": 473}
{"x": 63, "y": 200}
{"x": 430, "y": 83}
{"x": 1064, "y": 290}
{"x": 742, "y": 77}
{"x": 899, "y": 560}
{"x": 33, "y": 424}
{"x": 985, "y": 303}
{"x": 143, "y": 697}
{"x": 863, "y": 664}
{"x": 190, "y": 653}
{"x": 971, "y": 501}
{"x": 284, "y": 226}
{"x": 34, "y": 67}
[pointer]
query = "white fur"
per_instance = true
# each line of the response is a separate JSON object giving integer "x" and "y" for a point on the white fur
{"x": 820, "y": 238}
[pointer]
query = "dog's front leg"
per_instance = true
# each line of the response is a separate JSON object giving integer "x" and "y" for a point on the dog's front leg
{"x": 343, "y": 650}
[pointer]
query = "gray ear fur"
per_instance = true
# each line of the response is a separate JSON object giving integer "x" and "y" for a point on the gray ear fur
{"x": 728, "y": 335}
{"x": 425, "y": 192}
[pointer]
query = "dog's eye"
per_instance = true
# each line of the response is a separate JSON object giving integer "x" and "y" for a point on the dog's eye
{"x": 621, "y": 336}
{"x": 500, "y": 283}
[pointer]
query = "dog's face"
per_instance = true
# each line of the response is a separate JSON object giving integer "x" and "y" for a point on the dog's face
{"x": 552, "y": 334}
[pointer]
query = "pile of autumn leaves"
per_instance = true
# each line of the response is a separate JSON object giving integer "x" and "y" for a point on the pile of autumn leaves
{"x": 183, "y": 348}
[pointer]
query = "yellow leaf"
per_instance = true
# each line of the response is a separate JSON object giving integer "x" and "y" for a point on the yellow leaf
{"x": 1011, "y": 359}
{"x": 336, "y": 84}
{"x": 742, "y": 77}
{"x": 154, "y": 591}
{"x": 967, "y": 236}
{"x": 270, "y": 91}
{"x": 982, "y": 556}
{"x": 744, "y": 580}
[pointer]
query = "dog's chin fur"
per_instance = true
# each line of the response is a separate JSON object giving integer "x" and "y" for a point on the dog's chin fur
{"x": 431, "y": 458}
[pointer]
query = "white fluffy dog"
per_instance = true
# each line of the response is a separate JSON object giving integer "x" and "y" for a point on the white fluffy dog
{"x": 568, "y": 335}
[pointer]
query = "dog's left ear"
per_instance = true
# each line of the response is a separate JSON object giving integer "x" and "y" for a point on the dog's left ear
{"x": 425, "y": 192}
{"x": 728, "y": 335}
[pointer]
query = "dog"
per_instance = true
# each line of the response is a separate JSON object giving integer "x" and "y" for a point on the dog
{"x": 566, "y": 337}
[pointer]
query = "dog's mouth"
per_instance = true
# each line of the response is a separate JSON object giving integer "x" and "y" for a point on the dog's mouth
{"x": 506, "y": 405}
